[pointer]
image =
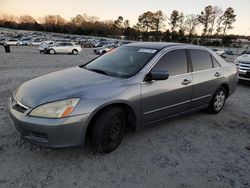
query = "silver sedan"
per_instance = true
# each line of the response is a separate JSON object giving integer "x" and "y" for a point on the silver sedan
{"x": 133, "y": 86}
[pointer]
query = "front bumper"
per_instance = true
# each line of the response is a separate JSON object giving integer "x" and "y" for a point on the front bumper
{"x": 47, "y": 132}
{"x": 244, "y": 75}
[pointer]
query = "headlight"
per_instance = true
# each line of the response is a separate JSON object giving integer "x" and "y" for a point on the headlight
{"x": 236, "y": 62}
{"x": 58, "y": 109}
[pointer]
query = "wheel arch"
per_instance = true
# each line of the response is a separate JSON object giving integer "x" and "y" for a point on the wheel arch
{"x": 130, "y": 113}
{"x": 226, "y": 87}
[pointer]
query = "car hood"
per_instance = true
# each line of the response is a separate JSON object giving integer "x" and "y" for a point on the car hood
{"x": 69, "y": 83}
{"x": 244, "y": 57}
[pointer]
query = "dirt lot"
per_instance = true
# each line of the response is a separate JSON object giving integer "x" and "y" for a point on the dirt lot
{"x": 198, "y": 150}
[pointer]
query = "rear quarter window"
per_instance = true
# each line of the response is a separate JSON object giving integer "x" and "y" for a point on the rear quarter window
{"x": 215, "y": 62}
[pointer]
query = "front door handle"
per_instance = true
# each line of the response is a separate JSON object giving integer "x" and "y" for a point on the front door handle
{"x": 217, "y": 74}
{"x": 186, "y": 82}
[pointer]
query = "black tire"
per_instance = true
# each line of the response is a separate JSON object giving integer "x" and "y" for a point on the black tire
{"x": 108, "y": 129}
{"x": 75, "y": 52}
{"x": 218, "y": 101}
{"x": 103, "y": 52}
{"x": 52, "y": 51}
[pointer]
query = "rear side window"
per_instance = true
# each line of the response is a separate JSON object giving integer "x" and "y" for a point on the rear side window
{"x": 175, "y": 62}
{"x": 201, "y": 60}
{"x": 68, "y": 44}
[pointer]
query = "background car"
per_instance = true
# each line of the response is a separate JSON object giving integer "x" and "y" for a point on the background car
{"x": 243, "y": 64}
{"x": 11, "y": 42}
{"x": 105, "y": 48}
{"x": 24, "y": 42}
{"x": 218, "y": 51}
{"x": 35, "y": 42}
{"x": 63, "y": 47}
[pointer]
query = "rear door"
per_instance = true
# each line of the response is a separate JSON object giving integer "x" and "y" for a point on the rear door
{"x": 59, "y": 47}
{"x": 68, "y": 47}
{"x": 207, "y": 76}
{"x": 165, "y": 98}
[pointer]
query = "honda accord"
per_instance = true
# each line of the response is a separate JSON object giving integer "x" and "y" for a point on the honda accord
{"x": 133, "y": 86}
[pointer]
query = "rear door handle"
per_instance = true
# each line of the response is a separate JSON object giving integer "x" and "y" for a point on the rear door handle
{"x": 217, "y": 74}
{"x": 186, "y": 82}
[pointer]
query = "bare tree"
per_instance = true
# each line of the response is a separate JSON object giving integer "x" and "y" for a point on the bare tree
{"x": 54, "y": 20}
{"x": 216, "y": 13}
{"x": 9, "y": 18}
{"x": 78, "y": 20}
{"x": 27, "y": 19}
{"x": 191, "y": 24}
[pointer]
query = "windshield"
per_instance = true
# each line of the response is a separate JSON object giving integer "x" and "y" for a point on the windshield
{"x": 122, "y": 62}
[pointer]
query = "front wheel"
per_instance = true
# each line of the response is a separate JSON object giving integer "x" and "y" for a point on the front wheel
{"x": 218, "y": 101}
{"x": 108, "y": 129}
{"x": 75, "y": 52}
{"x": 52, "y": 51}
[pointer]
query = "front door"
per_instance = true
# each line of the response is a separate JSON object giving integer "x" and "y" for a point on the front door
{"x": 165, "y": 98}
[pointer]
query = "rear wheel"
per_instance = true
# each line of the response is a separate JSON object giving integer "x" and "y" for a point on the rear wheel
{"x": 52, "y": 51}
{"x": 108, "y": 130}
{"x": 75, "y": 52}
{"x": 218, "y": 101}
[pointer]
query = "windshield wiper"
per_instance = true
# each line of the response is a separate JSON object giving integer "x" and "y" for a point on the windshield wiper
{"x": 98, "y": 71}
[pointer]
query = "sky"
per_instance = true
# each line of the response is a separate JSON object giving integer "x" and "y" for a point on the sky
{"x": 129, "y": 9}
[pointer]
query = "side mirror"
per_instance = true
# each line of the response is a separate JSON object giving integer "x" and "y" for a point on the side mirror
{"x": 156, "y": 75}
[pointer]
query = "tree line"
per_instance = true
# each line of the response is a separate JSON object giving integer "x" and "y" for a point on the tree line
{"x": 150, "y": 25}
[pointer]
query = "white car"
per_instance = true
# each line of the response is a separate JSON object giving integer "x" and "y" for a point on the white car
{"x": 243, "y": 64}
{"x": 44, "y": 45}
{"x": 24, "y": 42}
{"x": 36, "y": 42}
{"x": 105, "y": 48}
{"x": 63, "y": 47}
{"x": 11, "y": 42}
{"x": 219, "y": 52}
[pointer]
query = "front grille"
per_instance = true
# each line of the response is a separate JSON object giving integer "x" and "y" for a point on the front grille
{"x": 245, "y": 66}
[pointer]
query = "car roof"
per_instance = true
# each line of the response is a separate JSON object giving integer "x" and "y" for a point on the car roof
{"x": 154, "y": 45}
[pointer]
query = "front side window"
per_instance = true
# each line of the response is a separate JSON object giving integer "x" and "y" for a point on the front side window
{"x": 201, "y": 60}
{"x": 122, "y": 62}
{"x": 175, "y": 62}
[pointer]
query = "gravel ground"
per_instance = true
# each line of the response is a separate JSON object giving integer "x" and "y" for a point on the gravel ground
{"x": 198, "y": 150}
